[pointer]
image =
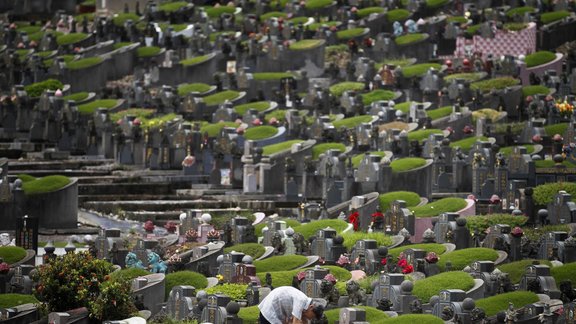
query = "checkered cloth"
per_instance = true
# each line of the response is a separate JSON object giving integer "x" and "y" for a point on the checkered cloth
{"x": 504, "y": 43}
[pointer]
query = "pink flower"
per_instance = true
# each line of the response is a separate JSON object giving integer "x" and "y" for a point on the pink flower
{"x": 432, "y": 257}
{"x": 517, "y": 232}
{"x": 188, "y": 161}
{"x": 343, "y": 260}
{"x": 330, "y": 277}
{"x": 4, "y": 267}
{"x": 301, "y": 275}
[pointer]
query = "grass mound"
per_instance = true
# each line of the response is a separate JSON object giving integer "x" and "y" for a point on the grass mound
{"x": 350, "y": 238}
{"x": 279, "y": 263}
{"x": 357, "y": 159}
{"x": 544, "y": 194}
{"x": 428, "y": 247}
{"x": 172, "y": 6}
{"x": 45, "y": 184}
{"x": 488, "y": 113}
{"x": 90, "y": 108}
{"x": 494, "y": 84}
{"x": 407, "y": 164}
{"x": 128, "y": 274}
{"x": 411, "y": 199}
{"x": 184, "y": 278}
{"x": 481, "y": 223}
{"x": 365, "y": 12}
{"x": 289, "y": 223}
{"x": 259, "y": 106}
{"x": 509, "y": 149}
{"x": 323, "y": 147}
{"x": 377, "y": 95}
{"x": 214, "y": 129}
{"x": 249, "y": 314}
{"x": 72, "y": 38}
{"x": 148, "y": 51}
{"x": 254, "y": 250}
{"x": 422, "y": 134}
{"x": 556, "y": 129}
{"x": 351, "y": 122}
{"x": 534, "y": 89}
{"x": 565, "y": 272}
{"x": 495, "y": 304}
{"x": 310, "y": 229}
{"x": 413, "y": 318}
{"x": 83, "y": 63}
{"x": 350, "y": 33}
{"x": 78, "y": 96}
{"x": 268, "y": 76}
{"x": 317, "y": 4}
{"x": 467, "y": 143}
{"x": 472, "y": 76}
{"x": 409, "y": 38}
{"x": 284, "y": 278}
{"x": 260, "y": 132}
{"x": 417, "y": 70}
{"x": 549, "y": 17}
{"x": 372, "y": 314}
{"x": 462, "y": 258}
{"x": 439, "y": 112}
{"x": 426, "y": 288}
{"x": 12, "y": 254}
{"x": 120, "y": 19}
{"x": 195, "y": 60}
{"x": 221, "y": 97}
{"x": 539, "y": 58}
{"x": 444, "y": 205}
{"x": 279, "y": 147}
{"x": 397, "y": 15}
{"x": 305, "y": 44}
{"x": 338, "y": 89}
{"x": 515, "y": 270}
{"x": 186, "y": 88}
{"x": 519, "y": 11}
{"x": 35, "y": 90}
{"x": 215, "y": 12}
{"x": 12, "y": 300}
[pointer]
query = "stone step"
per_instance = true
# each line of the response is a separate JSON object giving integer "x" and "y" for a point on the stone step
{"x": 68, "y": 172}
{"x": 117, "y": 207}
{"x": 75, "y": 164}
{"x": 94, "y": 189}
{"x": 127, "y": 197}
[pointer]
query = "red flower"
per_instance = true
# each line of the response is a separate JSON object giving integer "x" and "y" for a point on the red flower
{"x": 354, "y": 220}
{"x": 384, "y": 261}
{"x": 377, "y": 215}
{"x": 402, "y": 263}
{"x": 408, "y": 269}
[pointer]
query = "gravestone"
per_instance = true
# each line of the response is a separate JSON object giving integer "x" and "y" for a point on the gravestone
{"x": 550, "y": 245}
{"x": 311, "y": 285}
{"x": 399, "y": 217}
{"x": 562, "y": 210}
{"x": 352, "y": 316}
{"x": 537, "y": 278}
{"x": 27, "y": 233}
{"x": 181, "y": 302}
{"x": 215, "y": 309}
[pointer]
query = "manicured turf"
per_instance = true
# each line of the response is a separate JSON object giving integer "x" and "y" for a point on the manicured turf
{"x": 411, "y": 199}
{"x": 13, "y": 300}
{"x": 349, "y": 33}
{"x": 310, "y": 229}
{"x": 90, "y": 108}
{"x": 172, "y": 6}
{"x": 397, "y": 15}
{"x": 220, "y": 97}
{"x": 472, "y": 76}
{"x": 422, "y": 134}
{"x": 323, "y": 147}
{"x": 565, "y": 272}
{"x": 438, "y": 207}
{"x": 186, "y": 88}
{"x": 377, "y": 95}
{"x": 45, "y": 184}
{"x": 216, "y": 12}
{"x": 357, "y": 159}
{"x": 284, "y": 278}
{"x": 539, "y": 58}
{"x": 279, "y": 147}
{"x": 515, "y": 270}
{"x": 365, "y": 12}
{"x": 268, "y": 76}
{"x": 289, "y": 223}
{"x": 352, "y": 121}
{"x": 35, "y": 90}
{"x": 214, "y": 129}
{"x": 509, "y": 149}
{"x": 12, "y": 254}
{"x": 488, "y": 113}
{"x": 407, "y": 164}
{"x": 259, "y": 106}
{"x": 338, "y": 89}
{"x": 419, "y": 69}
{"x": 78, "y": 96}
{"x": 462, "y": 258}
{"x": 71, "y": 38}
{"x": 350, "y": 238}
{"x": 260, "y": 132}
{"x": 495, "y": 304}
{"x": 412, "y": 318}
{"x": 549, "y": 17}
{"x": 148, "y": 51}
{"x": 467, "y": 143}
{"x": 121, "y": 18}
{"x": 305, "y": 44}
{"x": 83, "y": 63}
{"x": 428, "y": 247}
{"x": 195, "y": 60}
{"x": 556, "y": 129}
{"x": 184, "y": 278}
{"x": 254, "y": 250}
{"x": 409, "y": 38}
{"x": 494, "y": 84}
{"x": 372, "y": 314}
{"x": 481, "y": 223}
{"x": 426, "y": 288}
{"x": 280, "y": 263}
{"x": 439, "y": 112}
{"x": 544, "y": 194}
{"x": 317, "y": 4}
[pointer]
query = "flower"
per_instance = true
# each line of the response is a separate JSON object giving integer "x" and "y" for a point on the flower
{"x": 149, "y": 226}
{"x": 377, "y": 216}
{"x": 220, "y": 277}
{"x": 431, "y": 257}
{"x": 213, "y": 234}
{"x": 354, "y": 220}
{"x": 564, "y": 108}
{"x": 384, "y": 261}
{"x": 188, "y": 161}
{"x": 330, "y": 277}
{"x": 4, "y": 268}
{"x": 301, "y": 275}
{"x": 408, "y": 269}
{"x": 402, "y": 263}
{"x": 170, "y": 227}
{"x": 517, "y": 232}
{"x": 343, "y": 260}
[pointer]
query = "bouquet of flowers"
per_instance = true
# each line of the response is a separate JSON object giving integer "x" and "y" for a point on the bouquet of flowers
{"x": 565, "y": 109}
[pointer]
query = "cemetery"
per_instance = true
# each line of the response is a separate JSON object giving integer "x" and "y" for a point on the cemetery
{"x": 395, "y": 161}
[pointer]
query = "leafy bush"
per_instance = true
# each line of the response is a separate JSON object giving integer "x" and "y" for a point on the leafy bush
{"x": 495, "y": 304}
{"x": 78, "y": 96}
{"x": 428, "y": 247}
{"x": 254, "y": 250}
{"x": 323, "y": 147}
{"x": 398, "y": 15}
{"x": 372, "y": 314}
{"x": 305, "y": 44}
{"x": 83, "y": 63}
{"x": 279, "y": 263}
{"x": 172, "y": 6}
{"x": 260, "y": 132}
{"x": 357, "y": 159}
{"x": 12, "y": 300}
{"x": 495, "y": 83}
{"x": 376, "y": 95}
{"x": 114, "y": 301}
{"x": 350, "y": 33}
{"x": 351, "y": 122}
{"x": 439, "y": 112}
{"x": 195, "y": 60}
{"x": 488, "y": 113}
{"x": 121, "y": 18}
{"x": 45, "y": 184}
{"x": 472, "y": 76}
{"x": 481, "y": 223}
{"x": 214, "y": 129}
{"x": 515, "y": 270}
{"x": 12, "y": 254}
{"x": 279, "y": 147}
{"x": 413, "y": 318}
{"x": 409, "y": 38}
{"x": 310, "y": 229}
{"x": 539, "y": 58}
{"x": 544, "y": 194}
{"x": 184, "y": 278}
{"x": 365, "y": 12}
{"x": 444, "y": 205}
{"x": 422, "y": 134}
{"x": 536, "y": 233}
{"x": 467, "y": 143}
{"x": 417, "y": 70}
{"x": 462, "y": 258}
{"x": 350, "y": 238}
{"x": 426, "y": 288}
{"x": 407, "y": 164}
{"x": 148, "y": 51}
{"x": 411, "y": 199}
{"x": 267, "y": 76}
{"x": 565, "y": 272}
{"x": 317, "y": 4}
{"x": 35, "y": 90}
{"x": 556, "y": 129}
{"x": 520, "y": 11}
{"x": 234, "y": 291}
{"x": 338, "y": 89}
{"x": 128, "y": 274}
{"x": 90, "y": 108}
{"x": 71, "y": 38}
{"x": 221, "y": 97}
{"x": 549, "y": 17}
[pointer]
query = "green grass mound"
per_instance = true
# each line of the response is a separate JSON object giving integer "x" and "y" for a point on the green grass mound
{"x": 187, "y": 88}
{"x": 279, "y": 147}
{"x": 259, "y": 106}
{"x": 496, "y": 84}
{"x": 439, "y": 112}
{"x": 462, "y": 258}
{"x": 338, "y": 89}
{"x": 535, "y": 89}
{"x": 397, "y": 15}
{"x": 417, "y": 70}
{"x": 280, "y": 263}
{"x": 357, "y": 159}
{"x": 407, "y": 164}
{"x": 472, "y": 76}
{"x": 221, "y": 97}
{"x": 549, "y": 17}
{"x": 376, "y": 95}
{"x": 195, "y": 60}
{"x": 268, "y": 76}
{"x": 299, "y": 20}
{"x": 365, "y": 12}
{"x": 128, "y": 274}
{"x": 71, "y": 38}
{"x": 395, "y": 62}
{"x": 323, "y": 147}
{"x": 317, "y": 25}
{"x": 148, "y": 51}
{"x": 495, "y": 304}
{"x": 467, "y": 143}
{"x": 12, "y": 254}
{"x": 411, "y": 199}
{"x": 260, "y": 132}
{"x": 481, "y": 223}
{"x": 426, "y": 288}
{"x": 514, "y": 26}
{"x": 120, "y": 19}
{"x": 172, "y": 6}
{"x": 317, "y": 4}
{"x": 29, "y": 29}
{"x": 413, "y": 318}
{"x": 214, "y": 129}
{"x": 436, "y": 3}
{"x": 289, "y": 223}
{"x": 539, "y": 58}
{"x": 473, "y": 29}
{"x": 409, "y": 38}
{"x": 428, "y": 247}
{"x": 373, "y": 315}
{"x": 305, "y": 44}
{"x": 515, "y": 270}
{"x": 90, "y": 108}
{"x": 45, "y": 184}
{"x": 488, "y": 113}
{"x": 350, "y": 238}
{"x": 551, "y": 164}
{"x": 284, "y": 278}
{"x": 83, "y": 63}
{"x": 273, "y": 14}
{"x": 422, "y": 134}
{"x": 234, "y": 291}
{"x": 249, "y": 314}
{"x": 350, "y": 33}
{"x": 35, "y": 90}
{"x": 13, "y": 300}
{"x": 519, "y": 11}
{"x": 310, "y": 229}
{"x": 565, "y": 272}
{"x": 444, "y": 205}
{"x": 254, "y": 250}
{"x": 352, "y": 122}
{"x": 78, "y": 96}
{"x": 65, "y": 58}
{"x": 556, "y": 129}
{"x": 185, "y": 278}
{"x": 544, "y": 194}
{"x": 215, "y": 12}
{"x": 509, "y": 149}
{"x": 158, "y": 121}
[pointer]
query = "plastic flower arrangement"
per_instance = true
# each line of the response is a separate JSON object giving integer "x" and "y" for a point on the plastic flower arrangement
{"x": 170, "y": 227}
{"x": 4, "y": 268}
{"x": 188, "y": 161}
{"x": 431, "y": 257}
{"x": 404, "y": 265}
{"x": 343, "y": 260}
{"x": 149, "y": 226}
{"x": 354, "y": 219}
{"x": 565, "y": 109}
{"x": 330, "y": 277}
{"x": 301, "y": 275}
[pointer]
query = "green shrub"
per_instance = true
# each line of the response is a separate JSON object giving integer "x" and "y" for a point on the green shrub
{"x": 78, "y": 96}
{"x": 280, "y": 263}
{"x": 12, "y": 254}
{"x": 83, "y": 63}
{"x": 323, "y": 147}
{"x": 520, "y": 11}
{"x": 417, "y": 70}
{"x": 357, "y": 159}
{"x": 338, "y": 89}
{"x": 120, "y": 19}
{"x": 376, "y": 95}
{"x": 551, "y": 164}
{"x": 350, "y": 238}
{"x": 411, "y": 199}
{"x": 310, "y": 229}
{"x": 444, "y": 205}
{"x": 279, "y": 147}
{"x": 372, "y": 314}
{"x": 426, "y": 288}
{"x": 234, "y": 291}
{"x": 351, "y": 122}
{"x": 472, "y": 76}
{"x": 148, "y": 51}
{"x": 221, "y": 97}
{"x": 273, "y": 14}
{"x": 539, "y": 58}
{"x": 488, "y": 113}
{"x": 549, "y": 17}
{"x": 481, "y": 223}
{"x": 35, "y": 90}
{"x": 422, "y": 134}
{"x": 289, "y": 223}
{"x": 214, "y": 129}
{"x": 439, "y": 112}
{"x": 428, "y": 247}
{"x": 350, "y": 33}
{"x": 544, "y": 194}
{"x": 317, "y": 4}
{"x": 216, "y": 12}
{"x": 496, "y": 83}
{"x": 13, "y": 300}
{"x": 128, "y": 274}
{"x": 515, "y": 270}
{"x": 259, "y": 106}
{"x": 413, "y": 318}
{"x": 249, "y": 314}
{"x": 535, "y": 89}
{"x": 184, "y": 278}
{"x": 556, "y": 129}
{"x": 254, "y": 250}
{"x": 467, "y": 143}
{"x": 365, "y": 12}
{"x": 462, "y": 258}
{"x": 267, "y": 76}
{"x": 44, "y": 185}
{"x": 195, "y": 60}
{"x": 186, "y": 88}
{"x": 436, "y": 3}
{"x": 260, "y": 132}
{"x": 495, "y": 304}
{"x": 407, "y": 164}
{"x": 172, "y": 6}
{"x": 536, "y": 233}
{"x": 71, "y": 38}
{"x": 409, "y": 38}
{"x": 565, "y": 272}
{"x": 509, "y": 149}
{"x": 90, "y": 108}
{"x": 398, "y": 15}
